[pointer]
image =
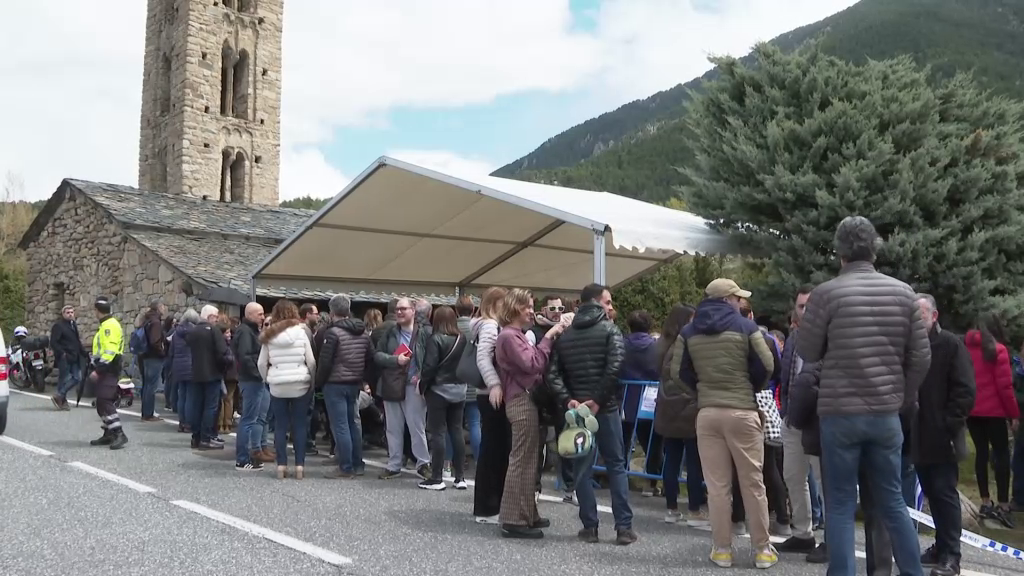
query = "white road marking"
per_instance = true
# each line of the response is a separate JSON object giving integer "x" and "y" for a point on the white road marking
{"x": 266, "y": 532}
{"x": 24, "y": 446}
{"x": 256, "y": 530}
{"x": 113, "y": 477}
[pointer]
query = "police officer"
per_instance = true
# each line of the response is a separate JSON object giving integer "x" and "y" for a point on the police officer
{"x": 107, "y": 346}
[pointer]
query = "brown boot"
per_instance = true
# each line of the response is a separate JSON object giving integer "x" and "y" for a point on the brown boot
{"x": 261, "y": 456}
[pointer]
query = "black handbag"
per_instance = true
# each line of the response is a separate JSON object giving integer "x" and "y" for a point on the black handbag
{"x": 467, "y": 370}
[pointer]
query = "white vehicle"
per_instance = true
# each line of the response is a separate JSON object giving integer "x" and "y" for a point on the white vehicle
{"x": 5, "y": 390}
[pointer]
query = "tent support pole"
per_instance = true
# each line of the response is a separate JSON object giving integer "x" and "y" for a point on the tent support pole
{"x": 599, "y": 257}
{"x": 252, "y": 291}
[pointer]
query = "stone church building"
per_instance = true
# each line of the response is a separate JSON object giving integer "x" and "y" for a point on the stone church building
{"x": 206, "y": 210}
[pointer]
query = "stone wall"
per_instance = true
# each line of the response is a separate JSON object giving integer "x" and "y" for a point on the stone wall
{"x": 86, "y": 252}
{"x": 185, "y": 134}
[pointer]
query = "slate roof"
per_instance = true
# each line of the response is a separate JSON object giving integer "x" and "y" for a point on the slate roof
{"x": 214, "y": 243}
{"x": 132, "y": 206}
{"x": 212, "y": 261}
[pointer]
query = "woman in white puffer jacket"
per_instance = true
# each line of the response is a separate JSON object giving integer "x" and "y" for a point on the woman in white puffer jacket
{"x": 287, "y": 365}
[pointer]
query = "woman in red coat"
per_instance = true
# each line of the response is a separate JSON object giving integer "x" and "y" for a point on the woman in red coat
{"x": 994, "y": 406}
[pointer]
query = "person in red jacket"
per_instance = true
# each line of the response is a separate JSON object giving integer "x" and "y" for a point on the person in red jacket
{"x": 994, "y": 405}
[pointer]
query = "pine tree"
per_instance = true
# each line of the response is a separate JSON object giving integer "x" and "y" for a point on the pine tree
{"x": 790, "y": 145}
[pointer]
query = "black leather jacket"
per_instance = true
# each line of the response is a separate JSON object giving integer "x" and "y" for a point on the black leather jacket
{"x": 441, "y": 360}
{"x": 585, "y": 360}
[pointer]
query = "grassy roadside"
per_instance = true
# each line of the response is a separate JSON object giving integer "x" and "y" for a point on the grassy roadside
{"x": 969, "y": 487}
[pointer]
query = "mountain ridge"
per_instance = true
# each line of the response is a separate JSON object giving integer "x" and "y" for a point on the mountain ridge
{"x": 636, "y": 149}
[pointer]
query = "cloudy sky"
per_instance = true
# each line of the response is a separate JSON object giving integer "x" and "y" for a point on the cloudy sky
{"x": 465, "y": 85}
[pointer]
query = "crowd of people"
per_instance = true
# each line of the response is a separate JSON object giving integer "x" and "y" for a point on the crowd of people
{"x": 865, "y": 397}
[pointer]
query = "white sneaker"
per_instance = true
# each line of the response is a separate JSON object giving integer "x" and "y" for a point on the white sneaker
{"x": 673, "y": 517}
{"x": 536, "y": 497}
{"x": 461, "y": 485}
{"x": 570, "y": 498}
{"x": 486, "y": 519}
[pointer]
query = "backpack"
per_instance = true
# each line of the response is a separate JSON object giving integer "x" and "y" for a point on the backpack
{"x": 138, "y": 342}
{"x": 1018, "y": 378}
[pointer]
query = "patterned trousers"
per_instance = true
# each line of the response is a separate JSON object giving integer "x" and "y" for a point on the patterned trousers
{"x": 518, "y": 507}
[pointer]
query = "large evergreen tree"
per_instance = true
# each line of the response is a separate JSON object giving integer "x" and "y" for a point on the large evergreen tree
{"x": 789, "y": 146}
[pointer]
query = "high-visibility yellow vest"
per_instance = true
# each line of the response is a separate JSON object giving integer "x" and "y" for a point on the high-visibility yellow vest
{"x": 108, "y": 343}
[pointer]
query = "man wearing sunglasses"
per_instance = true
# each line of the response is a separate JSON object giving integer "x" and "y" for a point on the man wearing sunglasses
{"x": 550, "y": 314}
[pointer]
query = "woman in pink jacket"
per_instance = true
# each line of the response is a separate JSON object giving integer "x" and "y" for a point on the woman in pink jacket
{"x": 995, "y": 405}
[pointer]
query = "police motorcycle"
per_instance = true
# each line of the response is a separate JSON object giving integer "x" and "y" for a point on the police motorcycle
{"x": 27, "y": 367}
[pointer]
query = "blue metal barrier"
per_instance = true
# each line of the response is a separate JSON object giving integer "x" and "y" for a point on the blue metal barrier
{"x": 643, "y": 425}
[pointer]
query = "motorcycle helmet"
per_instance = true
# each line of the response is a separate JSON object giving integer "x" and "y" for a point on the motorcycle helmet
{"x": 21, "y": 331}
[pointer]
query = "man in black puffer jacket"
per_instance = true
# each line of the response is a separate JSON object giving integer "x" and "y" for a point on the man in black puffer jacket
{"x": 584, "y": 369}
{"x": 345, "y": 356}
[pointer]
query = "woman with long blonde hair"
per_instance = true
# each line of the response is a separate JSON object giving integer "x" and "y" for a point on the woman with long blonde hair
{"x": 495, "y": 436}
{"x": 521, "y": 367}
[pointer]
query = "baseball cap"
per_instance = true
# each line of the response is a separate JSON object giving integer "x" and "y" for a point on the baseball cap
{"x": 722, "y": 287}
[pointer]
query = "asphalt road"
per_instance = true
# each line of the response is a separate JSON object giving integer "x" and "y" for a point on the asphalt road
{"x": 160, "y": 509}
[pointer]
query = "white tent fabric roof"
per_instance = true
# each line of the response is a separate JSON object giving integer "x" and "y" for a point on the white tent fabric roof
{"x": 402, "y": 228}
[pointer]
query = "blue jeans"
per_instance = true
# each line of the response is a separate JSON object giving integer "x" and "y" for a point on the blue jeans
{"x": 472, "y": 414}
{"x": 609, "y": 443}
{"x": 182, "y": 399}
{"x": 250, "y": 430}
{"x": 265, "y": 418}
{"x": 675, "y": 451}
{"x": 816, "y": 511}
{"x": 878, "y": 440}
{"x": 203, "y": 400}
{"x": 152, "y": 379}
{"x": 70, "y": 375}
{"x": 291, "y": 415}
{"x": 341, "y": 402}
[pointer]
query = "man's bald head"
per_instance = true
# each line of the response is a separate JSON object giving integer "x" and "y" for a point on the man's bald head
{"x": 254, "y": 313}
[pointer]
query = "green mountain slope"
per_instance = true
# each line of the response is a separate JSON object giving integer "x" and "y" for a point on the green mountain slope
{"x": 642, "y": 144}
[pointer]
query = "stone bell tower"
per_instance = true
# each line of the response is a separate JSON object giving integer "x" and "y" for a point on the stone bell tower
{"x": 211, "y": 99}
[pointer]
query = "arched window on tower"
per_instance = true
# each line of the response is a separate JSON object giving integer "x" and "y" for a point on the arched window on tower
{"x": 238, "y": 175}
{"x": 227, "y": 70}
{"x": 240, "y": 88}
{"x": 245, "y": 6}
{"x": 164, "y": 92}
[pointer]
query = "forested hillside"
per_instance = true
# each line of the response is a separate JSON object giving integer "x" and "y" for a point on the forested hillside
{"x": 643, "y": 145}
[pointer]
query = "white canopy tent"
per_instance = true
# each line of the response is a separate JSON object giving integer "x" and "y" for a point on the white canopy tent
{"x": 401, "y": 228}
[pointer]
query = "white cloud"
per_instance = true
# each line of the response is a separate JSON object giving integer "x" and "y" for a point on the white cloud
{"x": 305, "y": 172}
{"x": 72, "y": 78}
{"x": 651, "y": 45}
{"x": 446, "y": 162}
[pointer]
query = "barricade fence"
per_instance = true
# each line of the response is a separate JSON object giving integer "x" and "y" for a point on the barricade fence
{"x": 637, "y": 416}
{"x": 636, "y": 412}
